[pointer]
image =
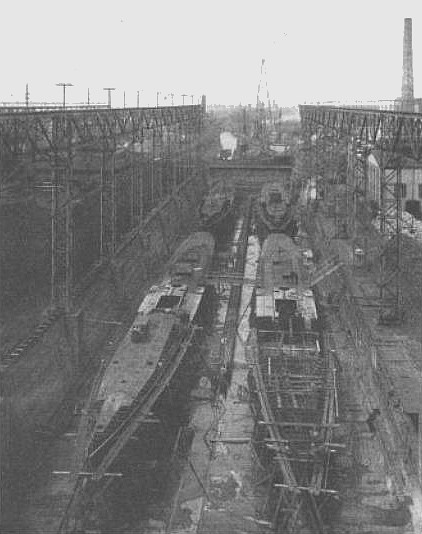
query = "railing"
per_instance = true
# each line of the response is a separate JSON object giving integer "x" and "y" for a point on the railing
{"x": 6, "y": 107}
{"x": 388, "y": 105}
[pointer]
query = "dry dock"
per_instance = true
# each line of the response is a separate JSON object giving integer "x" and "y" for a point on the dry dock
{"x": 218, "y": 489}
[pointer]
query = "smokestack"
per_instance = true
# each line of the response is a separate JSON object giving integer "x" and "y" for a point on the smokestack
{"x": 407, "y": 80}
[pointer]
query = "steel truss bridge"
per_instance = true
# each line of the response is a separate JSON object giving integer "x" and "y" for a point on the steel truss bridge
{"x": 137, "y": 158}
{"x": 393, "y": 136}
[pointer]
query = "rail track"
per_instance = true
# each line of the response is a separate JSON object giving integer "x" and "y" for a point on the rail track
{"x": 233, "y": 277}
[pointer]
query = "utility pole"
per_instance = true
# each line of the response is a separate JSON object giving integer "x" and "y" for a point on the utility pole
{"x": 183, "y": 96}
{"x": 64, "y": 85}
{"x": 27, "y": 96}
{"x": 158, "y": 93}
{"x": 109, "y": 89}
{"x": 88, "y": 96}
{"x": 137, "y": 99}
{"x": 192, "y": 99}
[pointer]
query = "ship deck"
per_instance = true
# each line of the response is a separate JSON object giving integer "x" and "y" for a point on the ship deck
{"x": 132, "y": 365}
{"x": 280, "y": 258}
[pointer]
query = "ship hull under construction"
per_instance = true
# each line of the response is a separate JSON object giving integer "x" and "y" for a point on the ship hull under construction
{"x": 217, "y": 212}
{"x": 273, "y": 211}
{"x": 153, "y": 348}
{"x": 292, "y": 384}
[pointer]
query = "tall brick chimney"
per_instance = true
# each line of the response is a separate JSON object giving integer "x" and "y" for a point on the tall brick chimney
{"x": 407, "y": 80}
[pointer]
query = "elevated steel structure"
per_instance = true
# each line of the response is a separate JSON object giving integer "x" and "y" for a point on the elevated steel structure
{"x": 393, "y": 132}
{"x": 44, "y": 106}
{"x": 159, "y": 143}
{"x": 394, "y": 135}
{"x": 48, "y": 132}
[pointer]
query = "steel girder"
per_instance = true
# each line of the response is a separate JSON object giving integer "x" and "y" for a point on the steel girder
{"x": 390, "y": 131}
{"x": 356, "y": 187}
{"x": 56, "y": 135}
{"x": 394, "y": 135}
{"x": 391, "y": 223}
{"x": 54, "y": 131}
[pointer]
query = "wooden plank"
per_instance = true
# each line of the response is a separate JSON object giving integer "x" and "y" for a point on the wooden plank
{"x": 311, "y": 489}
{"x": 298, "y": 424}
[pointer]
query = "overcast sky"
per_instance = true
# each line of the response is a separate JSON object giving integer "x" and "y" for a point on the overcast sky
{"x": 315, "y": 50}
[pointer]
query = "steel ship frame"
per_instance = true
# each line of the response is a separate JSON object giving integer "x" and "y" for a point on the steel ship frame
{"x": 293, "y": 385}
